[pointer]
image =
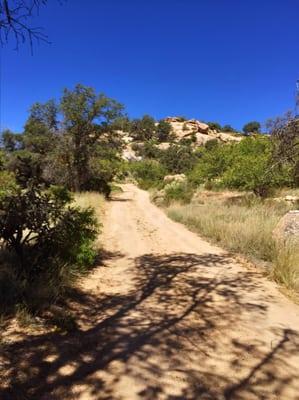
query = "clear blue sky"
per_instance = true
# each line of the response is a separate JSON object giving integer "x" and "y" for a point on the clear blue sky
{"x": 223, "y": 60}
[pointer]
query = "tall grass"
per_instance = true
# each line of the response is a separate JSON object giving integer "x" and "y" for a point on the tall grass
{"x": 246, "y": 228}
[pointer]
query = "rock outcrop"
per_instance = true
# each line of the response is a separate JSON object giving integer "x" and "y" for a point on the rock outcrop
{"x": 184, "y": 129}
{"x": 288, "y": 227}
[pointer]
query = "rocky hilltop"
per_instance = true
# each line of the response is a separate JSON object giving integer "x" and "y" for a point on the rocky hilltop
{"x": 198, "y": 131}
{"x": 203, "y": 133}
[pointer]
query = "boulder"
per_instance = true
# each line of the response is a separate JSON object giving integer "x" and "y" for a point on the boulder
{"x": 288, "y": 226}
{"x": 129, "y": 154}
{"x": 163, "y": 146}
{"x": 175, "y": 178}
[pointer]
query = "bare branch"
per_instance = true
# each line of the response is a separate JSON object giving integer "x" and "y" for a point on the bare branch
{"x": 14, "y": 15}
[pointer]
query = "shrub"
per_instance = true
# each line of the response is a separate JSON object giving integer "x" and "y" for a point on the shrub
{"x": 143, "y": 129}
{"x": 252, "y": 127}
{"x": 228, "y": 128}
{"x": 7, "y": 183}
{"x": 213, "y": 162}
{"x": 251, "y": 167}
{"x": 214, "y": 125}
{"x": 178, "y": 158}
{"x": 244, "y": 166}
{"x": 181, "y": 118}
{"x": 44, "y": 237}
{"x": 149, "y": 150}
{"x": 180, "y": 192}
{"x": 148, "y": 173}
{"x": 163, "y": 131}
{"x": 211, "y": 144}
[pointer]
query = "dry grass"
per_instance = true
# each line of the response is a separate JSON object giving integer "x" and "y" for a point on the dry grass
{"x": 94, "y": 200}
{"x": 244, "y": 225}
{"x": 286, "y": 192}
{"x": 91, "y": 199}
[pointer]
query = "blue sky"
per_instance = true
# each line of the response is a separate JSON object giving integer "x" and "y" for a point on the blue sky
{"x": 223, "y": 60}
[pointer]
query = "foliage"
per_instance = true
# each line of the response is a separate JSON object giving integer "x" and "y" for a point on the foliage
{"x": 7, "y": 183}
{"x": 86, "y": 116}
{"x": 214, "y": 125}
{"x": 43, "y": 235}
{"x": 243, "y": 225}
{"x": 252, "y": 127}
{"x": 250, "y": 166}
{"x": 26, "y": 165}
{"x": 244, "y": 166}
{"x": 11, "y": 141}
{"x": 143, "y": 129}
{"x": 121, "y": 123}
{"x": 228, "y": 128}
{"x": 180, "y": 192}
{"x": 73, "y": 142}
{"x": 148, "y": 173}
{"x": 285, "y": 138}
{"x": 178, "y": 158}
{"x": 214, "y": 160}
{"x": 147, "y": 149}
{"x": 163, "y": 131}
{"x": 211, "y": 144}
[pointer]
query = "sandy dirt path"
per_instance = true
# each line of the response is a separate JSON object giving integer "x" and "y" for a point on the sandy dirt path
{"x": 167, "y": 316}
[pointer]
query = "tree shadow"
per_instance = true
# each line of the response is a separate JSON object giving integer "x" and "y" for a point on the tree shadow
{"x": 163, "y": 336}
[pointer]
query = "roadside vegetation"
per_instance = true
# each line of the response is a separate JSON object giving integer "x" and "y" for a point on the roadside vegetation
{"x": 243, "y": 224}
{"x": 261, "y": 169}
{"x": 54, "y": 177}
{"x": 57, "y": 173}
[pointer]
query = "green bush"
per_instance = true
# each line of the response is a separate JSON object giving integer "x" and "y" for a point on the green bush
{"x": 7, "y": 183}
{"x": 163, "y": 131}
{"x": 214, "y": 160}
{"x": 252, "y": 127}
{"x": 45, "y": 242}
{"x": 243, "y": 166}
{"x": 148, "y": 149}
{"x": 180, "y": 192}
{"x": 215, "y": 126}
{"x": 178, "y": 158}
{"x": 143, "y": 129}
{"x": 148, "y": 173}
{"x": 251, "y": 167}
{"x": 228, "y": 128}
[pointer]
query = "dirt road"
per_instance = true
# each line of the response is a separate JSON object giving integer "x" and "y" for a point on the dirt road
{"x": 168, "y": 316}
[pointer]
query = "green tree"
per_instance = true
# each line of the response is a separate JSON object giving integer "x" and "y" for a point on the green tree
{"x": 213, "y": 161}
{"x": 252, "y": 127}
{"x": 178, "y": 158}
{"x": 163, "y": 131}
{"x": 40, "y": 131}
{"x": 11, "y": 141}
{"x": 148, "y": 173}
{"x": 143, "y": 129}
{"x": 86, "y": 117}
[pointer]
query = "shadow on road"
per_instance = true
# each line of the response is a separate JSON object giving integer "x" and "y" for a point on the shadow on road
{"x": 161, "y": 334}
